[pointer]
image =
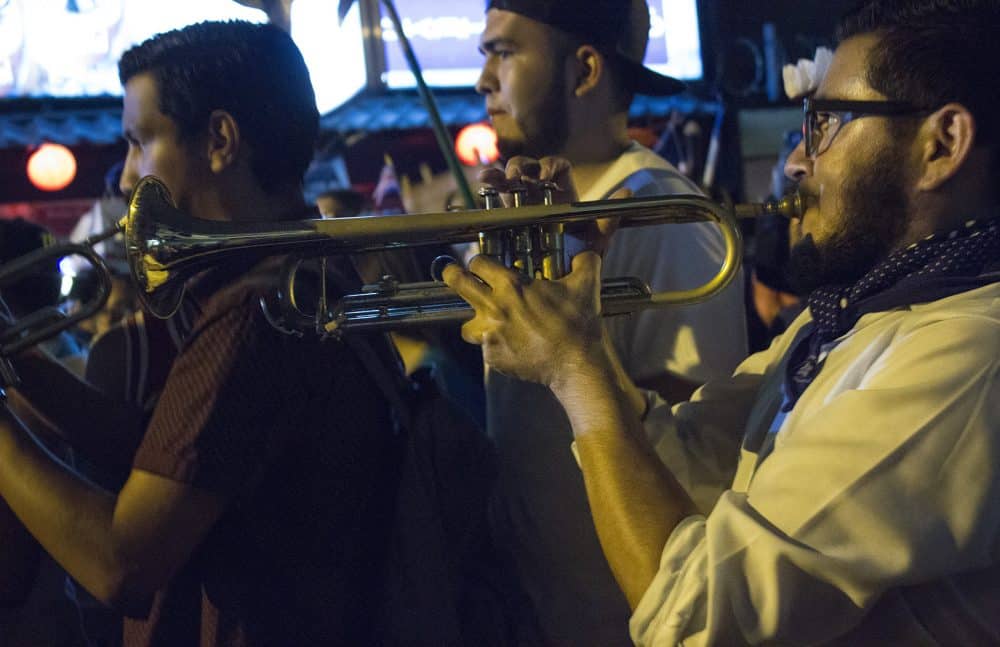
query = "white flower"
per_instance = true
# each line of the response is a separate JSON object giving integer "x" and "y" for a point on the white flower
{"x": 804, "y": 77}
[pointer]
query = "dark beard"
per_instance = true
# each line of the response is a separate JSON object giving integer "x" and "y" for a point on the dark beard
{"x": 877, "y": 215}
{"x": 545, "y": 132}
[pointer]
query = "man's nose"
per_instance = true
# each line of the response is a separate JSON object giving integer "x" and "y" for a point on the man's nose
{"x": 798, "y": 166}
{"x": 486, "y": 83}
{"x": 127, "y": 181}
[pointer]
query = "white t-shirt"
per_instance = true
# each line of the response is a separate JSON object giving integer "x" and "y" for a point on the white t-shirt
{"x": 696, "y": 342}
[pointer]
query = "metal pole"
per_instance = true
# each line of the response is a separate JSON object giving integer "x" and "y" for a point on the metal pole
{"x": 444, "y": 141}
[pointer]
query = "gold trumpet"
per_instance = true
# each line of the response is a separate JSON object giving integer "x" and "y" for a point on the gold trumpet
{"x": 165, "y": 247}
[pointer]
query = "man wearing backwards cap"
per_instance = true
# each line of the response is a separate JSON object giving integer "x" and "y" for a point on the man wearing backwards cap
{"x": 558, "y": 78}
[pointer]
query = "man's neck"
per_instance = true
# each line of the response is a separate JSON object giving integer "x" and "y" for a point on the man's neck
{"x": 595, "y": 143}
{"x": 589, "y": 168}
{"x": 270, "y": 207}
{"x": 942, "y": 213}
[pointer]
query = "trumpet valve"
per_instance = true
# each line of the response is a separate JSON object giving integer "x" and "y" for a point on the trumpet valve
{"x": 490, "y": 196}
{"x": 492, "y": 243}
{"x": 524, "y": 252}
{"x": 548, "y": 190}
{"x": 519, "y": 194}
{"x": 551, "y": 239}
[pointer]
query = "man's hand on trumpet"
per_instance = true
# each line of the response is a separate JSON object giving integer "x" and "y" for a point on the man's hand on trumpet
{"x": 545, "y": 331}
{"x": 535, "y": 330}
{"x": 530, "y": 175}
{"x": 527, "y": 173}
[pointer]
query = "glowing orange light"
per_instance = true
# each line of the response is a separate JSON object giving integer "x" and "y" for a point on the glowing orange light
{"x": 52, "y": 167}
{"x": 476, "y": 144}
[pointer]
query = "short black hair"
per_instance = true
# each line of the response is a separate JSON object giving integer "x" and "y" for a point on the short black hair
{"x": 932, "y": 52}
{"x": 254, "y": 72}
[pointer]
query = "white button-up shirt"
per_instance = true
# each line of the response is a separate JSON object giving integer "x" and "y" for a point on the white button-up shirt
{"x": 874, "y": 519}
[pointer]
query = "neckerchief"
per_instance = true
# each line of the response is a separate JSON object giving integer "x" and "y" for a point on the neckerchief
{"x": 938, "y": 266}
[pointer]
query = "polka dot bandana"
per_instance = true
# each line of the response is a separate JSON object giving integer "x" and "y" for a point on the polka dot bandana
{"x": 960, "y": 252}
{"x": 938, "y": 266}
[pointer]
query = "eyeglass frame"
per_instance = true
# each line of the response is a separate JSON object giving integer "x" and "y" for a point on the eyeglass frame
{"x": 848, "y": 110}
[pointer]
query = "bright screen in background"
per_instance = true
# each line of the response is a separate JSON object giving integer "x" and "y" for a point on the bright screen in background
{"x": 70, "y": 48}
{"x": 445, "y": 38}
{"x": 334, "y": 52}
{"x": 674, "y": 43}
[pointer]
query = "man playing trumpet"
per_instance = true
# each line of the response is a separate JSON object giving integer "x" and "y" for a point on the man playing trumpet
{"x": 841, "y": 486}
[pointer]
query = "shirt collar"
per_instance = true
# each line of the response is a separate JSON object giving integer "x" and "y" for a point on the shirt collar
{"x": 635, "y": 158}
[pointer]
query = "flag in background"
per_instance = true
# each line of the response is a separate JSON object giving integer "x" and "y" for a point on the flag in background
{"x": 387, "y": 196}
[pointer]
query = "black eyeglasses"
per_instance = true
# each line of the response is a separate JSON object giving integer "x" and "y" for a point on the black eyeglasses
{"x": 822, "y": 119}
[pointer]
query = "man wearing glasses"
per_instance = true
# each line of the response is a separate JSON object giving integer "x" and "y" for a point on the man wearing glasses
{"x": 841, "y": 486}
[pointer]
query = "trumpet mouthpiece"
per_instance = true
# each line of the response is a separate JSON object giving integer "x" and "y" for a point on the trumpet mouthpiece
{"x": 789, "y": 206}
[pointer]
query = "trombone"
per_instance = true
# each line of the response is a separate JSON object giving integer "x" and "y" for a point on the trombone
{"x": 165, "y": 247}
{"x": 50, "y": 320}
{"x": 19, "y": 334}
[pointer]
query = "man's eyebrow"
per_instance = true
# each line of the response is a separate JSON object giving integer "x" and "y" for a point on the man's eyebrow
{"x": 489, "y": 46}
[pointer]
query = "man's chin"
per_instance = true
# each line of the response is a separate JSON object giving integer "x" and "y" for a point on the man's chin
{"x": 810, "y": 267}
{"x": 535, "y": 147}
{"x": 509, "y": 148}
{"x": 804, "y": 269}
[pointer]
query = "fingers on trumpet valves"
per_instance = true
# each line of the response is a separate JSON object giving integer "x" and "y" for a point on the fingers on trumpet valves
{"x": 521, "y": 168}
{"x": 526, "y": 180}
{"x": 494, "y": 177}
{"x": 498, "y": 181}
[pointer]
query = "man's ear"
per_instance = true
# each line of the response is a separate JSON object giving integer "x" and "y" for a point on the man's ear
{"x": 948, "y": 136}
{"x": 223, "y": 140}
{"x": 590, "y": 67}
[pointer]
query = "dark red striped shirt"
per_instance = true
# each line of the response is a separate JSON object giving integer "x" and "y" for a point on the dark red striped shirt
{"x": 296, "y": 433}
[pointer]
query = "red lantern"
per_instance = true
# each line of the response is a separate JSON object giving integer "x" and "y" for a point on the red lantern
{"x": 476, "y": 145}
{"x": 51, "y": 167}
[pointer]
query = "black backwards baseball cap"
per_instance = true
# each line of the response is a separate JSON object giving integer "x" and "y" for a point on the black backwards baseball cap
{"x": 618, "y": 28}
